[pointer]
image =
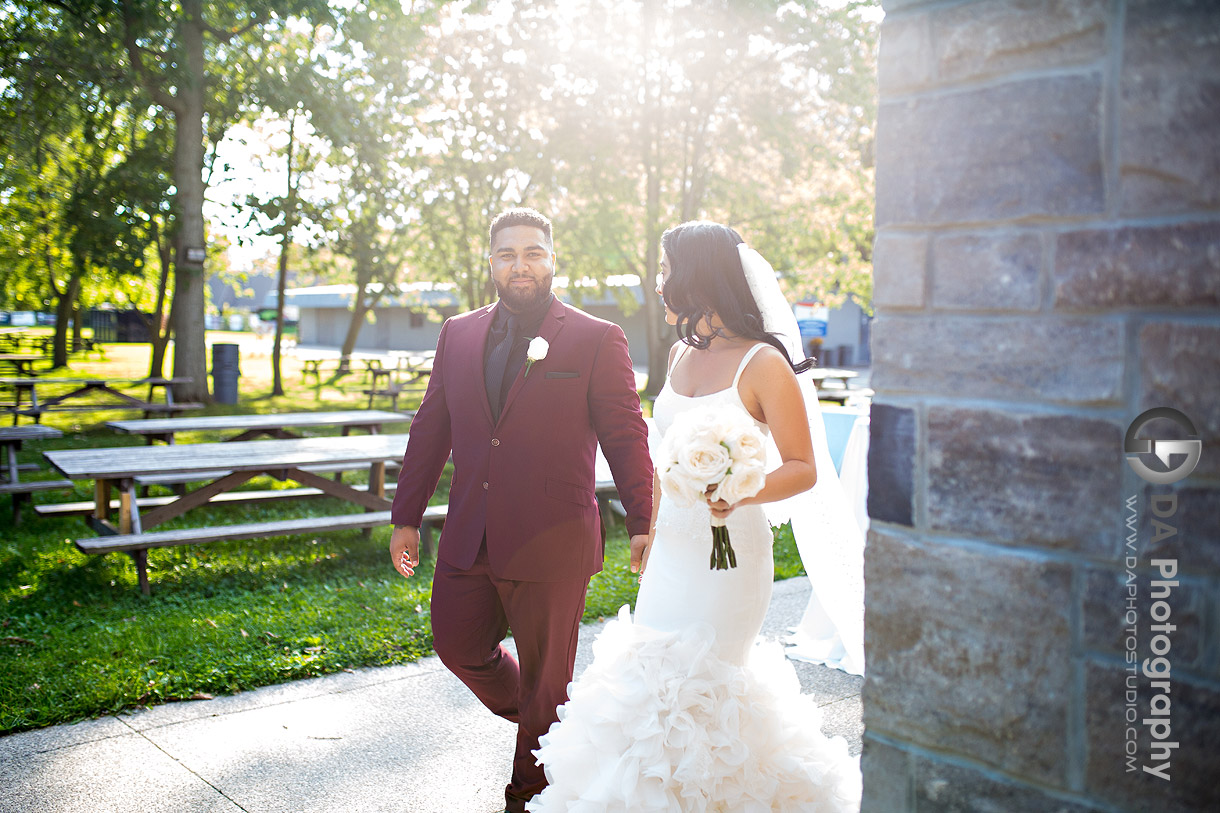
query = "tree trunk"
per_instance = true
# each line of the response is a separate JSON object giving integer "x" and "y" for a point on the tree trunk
{"x": 651, "y": 134}
{"x": 64, "y": 305}
{"x": 360, "y": 309}
{"x": 77, "y": 326}
{"x": 156, "y": 366}
{"x": 159, "y": 324}
{"x": 190, "y": 350}
{"x": 59, "y": 339}
{"x": 159, "y": 331}
{"x": 659, "y": 336}
{"x": 281, "y": 283}
{"x": 654, "y": 320}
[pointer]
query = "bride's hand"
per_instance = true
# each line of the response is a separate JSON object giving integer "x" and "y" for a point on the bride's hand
{"x": 720, "y": 508}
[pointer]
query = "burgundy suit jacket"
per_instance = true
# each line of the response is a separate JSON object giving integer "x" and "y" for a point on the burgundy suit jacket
{"x": 528, "y": 479}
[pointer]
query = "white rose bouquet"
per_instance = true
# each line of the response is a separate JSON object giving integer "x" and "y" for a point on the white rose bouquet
{"x": 713, "y": 454}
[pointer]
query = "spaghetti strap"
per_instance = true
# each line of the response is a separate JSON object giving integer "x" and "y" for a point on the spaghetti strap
{"x": 741, "y": 368}
{"x": 681, "y": 352}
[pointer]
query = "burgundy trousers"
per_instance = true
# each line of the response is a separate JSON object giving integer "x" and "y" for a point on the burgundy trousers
{"x": 472, "y": 610}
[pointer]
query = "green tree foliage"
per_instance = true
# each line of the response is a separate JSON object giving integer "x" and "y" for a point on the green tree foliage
{"x": 196, "y": 59}
{"x": 617, "y": 117}
{"x": 623, "y": 117}
{"x": 287, "y": 85}
{"x": 756, "y": 114}
{"x": 363, "y": 108}
{"x": 84, "y": 175}
{"x": 476, "y": 144}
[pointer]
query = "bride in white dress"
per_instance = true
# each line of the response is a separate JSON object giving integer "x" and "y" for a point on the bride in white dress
{"x": 680, "y": 709}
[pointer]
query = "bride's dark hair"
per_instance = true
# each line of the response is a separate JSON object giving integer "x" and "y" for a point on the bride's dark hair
{"x": 705, "y": 278}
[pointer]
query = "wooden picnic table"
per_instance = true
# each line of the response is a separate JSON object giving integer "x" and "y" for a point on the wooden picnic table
{"x": 28, "y": 388}
{"x": 23, "y": 363}
{"x": 288, "y": 459}
{"x": 823, "y": 374}
{"x": 11, "y": 438}
{"x": 276, "y": 425}
{"x": 404, "y": 378}
{"x": 841, "y": 392}
{"x": 14, "y": 339}
{"x": 415, "y": 363}
{"x": 312, "y": 366}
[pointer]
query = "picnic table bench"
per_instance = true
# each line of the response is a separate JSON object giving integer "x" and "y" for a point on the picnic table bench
{"x": 84, "y": 508}
{"x": 434, "y": 515}
{"x": 21, "y": 491}
{"x": 28, "y": 388}
{"x": 286, "y": 459}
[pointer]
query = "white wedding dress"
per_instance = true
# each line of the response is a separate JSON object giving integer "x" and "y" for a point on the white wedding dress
{"x": 681, "y": 710}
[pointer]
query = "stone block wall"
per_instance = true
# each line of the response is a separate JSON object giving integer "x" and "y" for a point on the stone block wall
{"x": 1047, "y": 268}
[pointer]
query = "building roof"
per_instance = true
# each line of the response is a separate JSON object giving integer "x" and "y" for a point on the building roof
{"x": 411, "y": 295}
{"x": 444, "y": 295}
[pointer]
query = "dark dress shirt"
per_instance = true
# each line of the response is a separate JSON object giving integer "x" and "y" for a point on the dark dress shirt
{"x": 528, "y": 324}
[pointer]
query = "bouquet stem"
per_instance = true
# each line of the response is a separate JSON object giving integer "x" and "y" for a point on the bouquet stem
{"x": 723, "y": 555}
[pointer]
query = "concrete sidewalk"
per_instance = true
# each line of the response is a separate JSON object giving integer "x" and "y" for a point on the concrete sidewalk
{"x": 403, "y": 738}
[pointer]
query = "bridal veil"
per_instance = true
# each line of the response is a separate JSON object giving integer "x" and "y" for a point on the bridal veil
{"x": 829, "y": 539}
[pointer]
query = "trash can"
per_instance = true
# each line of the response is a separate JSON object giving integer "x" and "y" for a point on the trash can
{"x": 225, "y": 372}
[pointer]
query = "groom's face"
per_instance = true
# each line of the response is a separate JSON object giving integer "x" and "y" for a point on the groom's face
{"x": 522, "y": 266}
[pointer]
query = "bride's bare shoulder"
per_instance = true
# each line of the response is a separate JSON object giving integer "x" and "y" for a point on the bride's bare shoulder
{"x": 767, "y": 377}
{"x": 768, "y": 362}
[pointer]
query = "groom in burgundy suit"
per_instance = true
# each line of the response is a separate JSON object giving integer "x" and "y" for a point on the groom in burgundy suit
{"x": 523, "y": 533}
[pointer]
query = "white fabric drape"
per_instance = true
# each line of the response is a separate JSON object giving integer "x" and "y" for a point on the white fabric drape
{"x": 824, "y": 521}
{"x": 830, "y": 537}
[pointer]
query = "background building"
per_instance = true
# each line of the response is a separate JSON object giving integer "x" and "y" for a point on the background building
{"x": 412, "y": 320}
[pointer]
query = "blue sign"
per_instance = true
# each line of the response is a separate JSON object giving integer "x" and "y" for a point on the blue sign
{"x": 812, "y": 328}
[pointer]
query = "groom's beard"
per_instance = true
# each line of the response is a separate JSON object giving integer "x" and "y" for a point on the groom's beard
{"x": 521, "y": 298}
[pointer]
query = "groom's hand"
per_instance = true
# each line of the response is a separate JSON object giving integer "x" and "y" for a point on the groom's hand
{"x": 404, "y": 549}
{"x": 639, "y": 553}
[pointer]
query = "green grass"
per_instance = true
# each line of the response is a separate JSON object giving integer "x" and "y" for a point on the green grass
{"x": 77, "y": 639}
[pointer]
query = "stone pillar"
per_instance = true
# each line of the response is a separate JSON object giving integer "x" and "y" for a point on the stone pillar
{"x": 1047, "y": 268}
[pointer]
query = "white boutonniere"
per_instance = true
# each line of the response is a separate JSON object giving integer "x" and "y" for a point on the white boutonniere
{"x": 537, "y": 352}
